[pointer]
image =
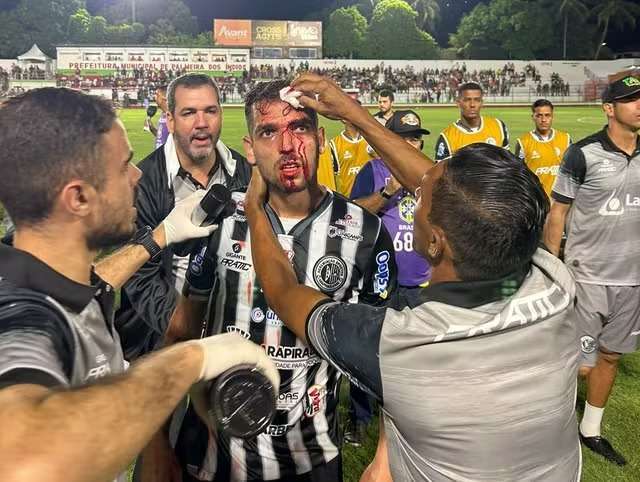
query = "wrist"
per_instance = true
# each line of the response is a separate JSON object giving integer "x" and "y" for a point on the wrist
{"x": 159, "y": 236}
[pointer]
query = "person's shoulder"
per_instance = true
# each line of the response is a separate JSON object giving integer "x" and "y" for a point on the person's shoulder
{"x": 367, "y": 216}
{"x": 594, "y": 138}
{"x": 153, "y": 161}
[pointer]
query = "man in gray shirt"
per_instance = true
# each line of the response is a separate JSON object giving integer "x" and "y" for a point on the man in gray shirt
{"x": 598, "y": 190}
{"x": 477, "y": 375}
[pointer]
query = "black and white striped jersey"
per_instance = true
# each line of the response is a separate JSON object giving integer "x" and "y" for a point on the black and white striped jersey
{"x": 339, "y": 249}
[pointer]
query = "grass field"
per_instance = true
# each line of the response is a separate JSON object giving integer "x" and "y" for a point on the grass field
{"x": 622, "y": 417}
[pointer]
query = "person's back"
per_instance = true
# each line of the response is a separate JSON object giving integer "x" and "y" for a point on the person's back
{"x": 488, "y": 392}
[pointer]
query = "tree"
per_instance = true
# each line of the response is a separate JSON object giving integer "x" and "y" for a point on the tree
{"x": 428, "y": 12}
{"x": 513, "y": 29}
{"x": 566, "y": 8}
{"x": 149, "y": 12}
{"x": 393, "y": 33}
{"x": 619, "y": 13}
{"x": 345, "y": 33}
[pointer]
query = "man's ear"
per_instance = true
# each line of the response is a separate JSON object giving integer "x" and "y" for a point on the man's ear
{"x": 171, "y": 122}
{"x": 78, "y": 198}
{"x": 437, "y": 245}
{"x": 321, "y": 140}
{"x": 247, "y": 142}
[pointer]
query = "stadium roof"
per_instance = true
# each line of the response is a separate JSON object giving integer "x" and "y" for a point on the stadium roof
{"x": 34, "y": 54}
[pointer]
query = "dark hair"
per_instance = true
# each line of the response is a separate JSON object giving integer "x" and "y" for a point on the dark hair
{"x": 386, "y": 93}
{"x": 63, "y": 143}
{"x": 265, "y": 93}
{"x": 162, "y": 87}
{"x": 492, "y": 209}
{"x": 541, "y": 103}
{"x": 469, "y": 86}
{"x": 189, "y": 81}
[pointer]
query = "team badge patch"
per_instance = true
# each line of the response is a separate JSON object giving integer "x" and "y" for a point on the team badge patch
{"x": 588, "y": 344}
{"x": 410, "y": 120}
{"x": 406, "y": 209}
{"x": 330, "y": 273}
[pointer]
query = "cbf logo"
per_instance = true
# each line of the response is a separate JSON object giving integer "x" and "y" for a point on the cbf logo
{"x": 406, "y": 209}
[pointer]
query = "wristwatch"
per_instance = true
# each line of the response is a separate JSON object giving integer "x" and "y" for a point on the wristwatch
{"x": 144, "y": 238}
{"x": 384, "y": 193}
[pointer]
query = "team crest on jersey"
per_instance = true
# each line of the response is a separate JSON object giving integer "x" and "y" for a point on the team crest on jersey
{"x": 347, "y": 155}
{"x": 535, "y": 155}
{"x": 330, "y": 273}
{"x": 406, "y": 209}
{"x": 315, "y": 401}
{"x": 492, "y": 141}
{"x": 588, "y": 344}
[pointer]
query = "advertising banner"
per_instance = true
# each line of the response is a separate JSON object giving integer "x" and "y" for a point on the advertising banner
{"x": 232, "y": 33}
{"x": 305, "y": 34}
{"x": 269, "y": 32}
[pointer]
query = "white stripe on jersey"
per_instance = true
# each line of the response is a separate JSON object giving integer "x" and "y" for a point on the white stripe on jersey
{"x": 270, "y": 467}
{"x": 330, "y": 451}
{"x": 238, "y": 461}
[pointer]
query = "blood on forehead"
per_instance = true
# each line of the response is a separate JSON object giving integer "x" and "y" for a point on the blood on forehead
{"x": 278, "y": 113}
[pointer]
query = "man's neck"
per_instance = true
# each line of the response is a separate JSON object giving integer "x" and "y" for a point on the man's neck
{"x": 351, "y": 134}
{"x": 443, "y": 272}
{"x": 544, "y": 135}
{"x": 296, "y": 205}
{"x": 471, "y": 123}
{"x": 625, "y": 139}
{"x": 388, "y": 115}
{"x": 62, "y": 252}
{"x": 199, "y": 171}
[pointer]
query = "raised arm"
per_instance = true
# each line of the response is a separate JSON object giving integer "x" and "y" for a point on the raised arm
{"x": 322, "y": 94}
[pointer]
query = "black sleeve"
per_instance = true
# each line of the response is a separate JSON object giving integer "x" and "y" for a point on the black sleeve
{"x": 151, "y": 291}
{"x": 505, "y": 134}
{"x": 571, "y": 175}
{"x": 200, "y": 277}
{"x": 363, "y": 185}
{"x": 442, "y": 148}
{"x": 519, "y": 151}
{"x": 331, "y": 330}
{"x": 36, "y": 345}
{"x": 381, "y": 275}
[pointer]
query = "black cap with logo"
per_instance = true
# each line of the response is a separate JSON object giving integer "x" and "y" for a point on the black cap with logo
{"x": 622, "y": 88}
{"x": 406, "y": 123}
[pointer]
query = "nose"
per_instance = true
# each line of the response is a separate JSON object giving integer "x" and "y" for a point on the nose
{"x": 134, "y": 174}
{"x": 200, "y": 120}
{"x": 287, "y": 141}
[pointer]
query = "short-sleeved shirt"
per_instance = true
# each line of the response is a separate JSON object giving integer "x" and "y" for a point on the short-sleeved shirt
{"x": 162, "y": 131}
{"x": 350, "y": 155}
{"x": 397, "y": 215}
{"x": 602, "y": 184}
{"x": 458, "y": 135}
{"x": 477, "y": 379}
{"x": 340, "y": 249}
{"x": 54, "y": 332}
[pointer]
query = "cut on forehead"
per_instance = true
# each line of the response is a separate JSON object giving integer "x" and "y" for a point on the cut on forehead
{"x": 277, "y": 112}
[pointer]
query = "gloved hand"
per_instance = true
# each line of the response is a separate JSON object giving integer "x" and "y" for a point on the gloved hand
{"x": 222, "y": 352}
{"x": 178, "y": 226}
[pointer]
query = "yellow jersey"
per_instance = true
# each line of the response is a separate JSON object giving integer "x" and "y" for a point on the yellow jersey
{"x": 350, "y": 155}
{"x": 327, "y": 168}
{"x": 543, "y": 156}
{"x": 457, "y": 135}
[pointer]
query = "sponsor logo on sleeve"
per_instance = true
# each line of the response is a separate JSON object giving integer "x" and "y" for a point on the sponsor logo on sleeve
{"x": 588, "y": 344}
{"x": 381, "y": 278}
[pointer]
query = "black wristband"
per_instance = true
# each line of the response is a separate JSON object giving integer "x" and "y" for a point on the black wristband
{"x": 144, "y": 238}
{"x": 384, "y": 193}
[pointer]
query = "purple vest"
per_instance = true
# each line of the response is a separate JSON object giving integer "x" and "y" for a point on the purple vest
{"x": 397, "y": 216}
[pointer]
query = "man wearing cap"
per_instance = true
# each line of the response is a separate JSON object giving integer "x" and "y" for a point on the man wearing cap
{"x": 376, "y": 190}
{"x": 599, "y": 184}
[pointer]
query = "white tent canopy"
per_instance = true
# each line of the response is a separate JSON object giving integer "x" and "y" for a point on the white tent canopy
{"x": 34, "y": 55}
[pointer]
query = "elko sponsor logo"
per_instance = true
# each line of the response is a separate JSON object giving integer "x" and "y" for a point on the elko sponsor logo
{"x": 330, "y": 273}
{"x": 381, "y": 278}
{"x": 315, "y": 401}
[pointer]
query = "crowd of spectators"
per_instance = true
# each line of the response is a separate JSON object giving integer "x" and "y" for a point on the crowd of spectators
{"x": 430, "y": 85}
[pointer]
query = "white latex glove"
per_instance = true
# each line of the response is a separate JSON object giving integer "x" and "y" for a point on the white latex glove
{"x": 178, "y": 226}
{"x": 222, "y": 352}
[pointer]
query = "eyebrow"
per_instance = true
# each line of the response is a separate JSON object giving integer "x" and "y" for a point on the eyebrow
{"x": 304, "y": 122}
{"x": 212, "y": 106}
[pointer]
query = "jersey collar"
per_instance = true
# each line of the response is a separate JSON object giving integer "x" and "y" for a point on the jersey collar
{"x": 608, "y": 145}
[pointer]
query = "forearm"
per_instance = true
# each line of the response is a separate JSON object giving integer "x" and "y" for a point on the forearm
{"x": 186, "y": 321}
{"x": 407, "y": 164}
{"x": 553, "y": 230}
{"x": 92, "y": 433}
{"x": 291, "y": 301}
{"x": 372, "y": 203}
{"x": 117, "y": 268}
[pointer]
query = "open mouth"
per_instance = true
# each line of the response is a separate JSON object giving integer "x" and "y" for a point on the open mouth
{"x": 290, "y": 168}
{"x": 201, "y": 139}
